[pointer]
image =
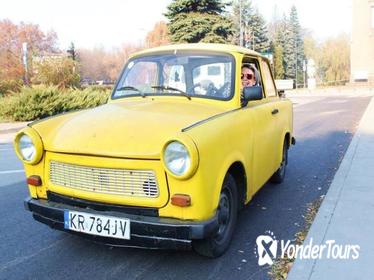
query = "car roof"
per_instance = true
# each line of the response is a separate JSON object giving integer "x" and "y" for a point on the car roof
{"x": 200, "y": 46}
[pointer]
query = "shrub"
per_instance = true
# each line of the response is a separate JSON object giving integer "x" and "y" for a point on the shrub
{"x": 61, "y": 72}
{"x": 8, "y": 86}
{"x": 43, "y": 101}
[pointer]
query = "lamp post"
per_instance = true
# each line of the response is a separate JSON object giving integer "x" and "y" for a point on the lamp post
{"x": 296, "y": 64}
{"x": 24, "y": 59}
{"x": 253, "y": 40}
{"x": 304, "y": 72}
{"x": 240, "y": 24}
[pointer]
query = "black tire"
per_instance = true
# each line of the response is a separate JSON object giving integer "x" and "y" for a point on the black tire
{"x": 227, "y": 210}
{"x": 280, "y": 174}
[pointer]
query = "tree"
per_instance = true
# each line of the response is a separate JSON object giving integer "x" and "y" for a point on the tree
{"x": 298, "y": 41}
{"x": 99, "y": 64}
{"x": 158, "y": 36}
{"x": 277, "y": 35}
{"x": 10, "y": 51}
{"x": 333, "y": 63}
{"x": 283, "y": 49}
{"x": 92, "y": 63}
{"x": 193, "y": 21}
{"x": 254, "y": 29}
{"x": 72, "y": 52}
{"x": 258, "y": 39}
{"x": 59, "y": 71}
{"x": 115, "y": 60}
{"x": 310, "y": 46}
{"x": 246, "y": 12}
{"x": 287, "y": 41}
{"x": 12, "y": 36}
{"x": 278, "y": 61}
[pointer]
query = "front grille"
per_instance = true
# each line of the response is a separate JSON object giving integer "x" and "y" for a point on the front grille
{"x": 138, "y": 183}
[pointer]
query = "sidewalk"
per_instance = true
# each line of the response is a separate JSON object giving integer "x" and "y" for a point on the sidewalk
{"x": 331, "y": 91}
{"x": 347, "y": 213}
{"x": 8, "y": 131}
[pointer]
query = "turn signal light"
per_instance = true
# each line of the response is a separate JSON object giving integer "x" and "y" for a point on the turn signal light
{"x": 182, "y": 200}
{"x": 34, "y": 180}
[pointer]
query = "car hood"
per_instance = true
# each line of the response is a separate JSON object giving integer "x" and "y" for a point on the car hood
{"x": 130, "y": 129}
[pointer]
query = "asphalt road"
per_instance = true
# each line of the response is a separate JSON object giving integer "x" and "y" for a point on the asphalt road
{"x": 324, "y": 126}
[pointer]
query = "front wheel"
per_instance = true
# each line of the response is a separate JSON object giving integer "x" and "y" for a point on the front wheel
{"x": 280, "y": 174}
{"x": 227, "y": 213}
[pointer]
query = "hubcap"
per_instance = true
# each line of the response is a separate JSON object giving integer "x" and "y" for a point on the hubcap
{"x": 223, "y": 215}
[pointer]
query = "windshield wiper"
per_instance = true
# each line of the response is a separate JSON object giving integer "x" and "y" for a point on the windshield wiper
{"x": 172, "y": 88}
{"x": 131, "y": 88}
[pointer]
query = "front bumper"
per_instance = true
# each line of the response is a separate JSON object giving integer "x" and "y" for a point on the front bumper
{"x": 146, "y": 231}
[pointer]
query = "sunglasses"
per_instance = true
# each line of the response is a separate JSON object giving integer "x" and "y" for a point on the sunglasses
{"x": 248, "y": 76}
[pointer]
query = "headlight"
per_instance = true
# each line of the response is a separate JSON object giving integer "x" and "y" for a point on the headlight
{"x": 180, "y": 157}
{"x": 29, "y": 146}
{"x": 26, "y": 147}
{"x": 177, "y": 158}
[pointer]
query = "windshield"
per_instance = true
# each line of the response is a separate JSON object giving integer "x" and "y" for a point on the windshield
{"x": 189, "y": 75}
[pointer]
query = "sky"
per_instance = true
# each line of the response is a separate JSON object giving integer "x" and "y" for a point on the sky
{"x": 111, "y": 23}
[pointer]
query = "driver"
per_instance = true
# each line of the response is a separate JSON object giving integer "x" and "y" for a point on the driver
{"x": 248, "y": 76}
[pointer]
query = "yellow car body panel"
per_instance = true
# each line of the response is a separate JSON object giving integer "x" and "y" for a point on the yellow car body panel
{"x": 131, "y": 129}
{"x": 131, "y": 133}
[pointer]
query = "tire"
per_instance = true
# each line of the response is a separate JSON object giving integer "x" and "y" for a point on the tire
{"x": 280, "y": 174}
{"x": 227, "y": 212}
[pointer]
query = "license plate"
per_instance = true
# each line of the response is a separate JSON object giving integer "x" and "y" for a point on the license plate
{"x": 97, "y": 224}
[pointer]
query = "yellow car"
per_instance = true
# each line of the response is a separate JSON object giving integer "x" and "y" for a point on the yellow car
{"x": 177, "y": 151}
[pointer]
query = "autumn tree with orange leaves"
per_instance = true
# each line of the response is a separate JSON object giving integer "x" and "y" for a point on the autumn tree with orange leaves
{"x": 11, "y": 38}
{"x": 100, "y": 64}
{"x": 159, "y": 36}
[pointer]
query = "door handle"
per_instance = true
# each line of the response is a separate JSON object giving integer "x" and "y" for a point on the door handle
{"x": 275, "y": 111}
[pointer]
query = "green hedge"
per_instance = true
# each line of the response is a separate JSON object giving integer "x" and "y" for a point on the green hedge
{"x": 9, "y": 86}
{"x": 41, "y": 101}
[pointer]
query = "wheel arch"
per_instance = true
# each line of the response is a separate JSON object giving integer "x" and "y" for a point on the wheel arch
{"x": 237, "y": 171}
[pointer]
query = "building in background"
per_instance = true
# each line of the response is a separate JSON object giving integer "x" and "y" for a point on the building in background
{"x": 362, "y": 44}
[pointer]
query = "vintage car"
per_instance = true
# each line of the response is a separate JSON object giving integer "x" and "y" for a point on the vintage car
{"x": 172, "y": 157}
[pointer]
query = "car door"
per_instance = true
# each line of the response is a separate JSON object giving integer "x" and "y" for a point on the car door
{"x": 277, "y": 111}
{"x": 263, "y": 152}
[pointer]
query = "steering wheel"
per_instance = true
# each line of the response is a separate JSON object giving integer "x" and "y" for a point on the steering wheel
{"x": 222, "y": 91}
{"x": 208, "y": 86}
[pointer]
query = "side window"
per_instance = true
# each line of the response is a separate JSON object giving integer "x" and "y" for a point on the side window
{"x": 268, "y": 80}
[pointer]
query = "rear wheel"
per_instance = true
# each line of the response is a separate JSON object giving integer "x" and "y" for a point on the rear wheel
{"x": 227, "y": 213}
{"x": 280, "y": 174}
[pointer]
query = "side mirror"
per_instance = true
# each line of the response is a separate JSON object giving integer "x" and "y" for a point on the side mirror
{"x": 252, "y": 93}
